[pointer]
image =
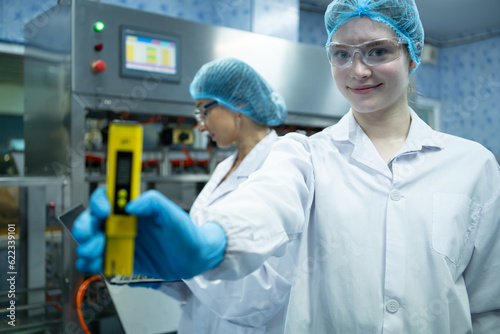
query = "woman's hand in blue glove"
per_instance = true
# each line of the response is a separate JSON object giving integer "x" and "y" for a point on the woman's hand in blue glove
{"x": 168, "y": 245}
{"x": 88, "y": 231}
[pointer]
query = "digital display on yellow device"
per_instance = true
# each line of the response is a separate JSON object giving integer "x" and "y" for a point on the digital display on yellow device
{"x": 122, "y": 185}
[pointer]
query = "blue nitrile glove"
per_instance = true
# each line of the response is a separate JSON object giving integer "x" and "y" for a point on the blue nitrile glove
{"x": 168, "y": 245}
{"x": 89, "y": 233}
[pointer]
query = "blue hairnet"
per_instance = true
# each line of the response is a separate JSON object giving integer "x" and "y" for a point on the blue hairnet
{"x": 238, "y": 87}
{"x": 401, "y": 15}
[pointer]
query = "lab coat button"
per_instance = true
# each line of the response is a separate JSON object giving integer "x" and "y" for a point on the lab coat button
{"x": 395, "y": 195}
{"x": 392, "y": 306}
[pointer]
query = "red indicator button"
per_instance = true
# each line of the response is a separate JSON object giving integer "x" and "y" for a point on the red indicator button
{"x": 98, "y": 47}
{"x": 99, "y": 66}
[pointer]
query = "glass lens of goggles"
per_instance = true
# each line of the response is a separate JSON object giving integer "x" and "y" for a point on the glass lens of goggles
{"x": 375, "y": 52}
{"x": 201, "y": 113}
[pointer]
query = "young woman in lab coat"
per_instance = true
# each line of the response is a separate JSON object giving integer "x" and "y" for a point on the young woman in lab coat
{"x": 399, "y": 225}
{"x": 235, "y": 105}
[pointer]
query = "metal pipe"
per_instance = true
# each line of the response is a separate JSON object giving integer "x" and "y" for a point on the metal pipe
{"x": 31, "y": 306}
{"x": 32, "y": 181}
{"x": 19, "y": 291}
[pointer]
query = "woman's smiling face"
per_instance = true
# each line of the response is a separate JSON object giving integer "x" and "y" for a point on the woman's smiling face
{"x": 371, "y": 88}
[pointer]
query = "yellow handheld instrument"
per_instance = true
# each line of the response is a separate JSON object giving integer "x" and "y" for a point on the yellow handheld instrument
{"x": 123, "y": 181}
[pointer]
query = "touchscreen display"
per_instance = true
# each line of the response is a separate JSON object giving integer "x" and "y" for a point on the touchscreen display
{"x": 149, "y": 54}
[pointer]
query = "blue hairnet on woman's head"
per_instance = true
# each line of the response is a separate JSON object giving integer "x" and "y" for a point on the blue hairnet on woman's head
{"x": 401, "y": 15}
{"x": 237, "y": 86}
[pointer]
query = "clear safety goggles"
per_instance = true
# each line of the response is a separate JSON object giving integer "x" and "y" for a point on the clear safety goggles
{"x": 373, "y": 53}
{"x": 201, "y": 113}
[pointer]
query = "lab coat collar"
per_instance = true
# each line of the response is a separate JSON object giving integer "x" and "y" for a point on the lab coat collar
{"x": 421, "y": 136}
{"x": 214, "y": 190}
{"x": 250, "y": 164}
{"x": 252, "y": 161}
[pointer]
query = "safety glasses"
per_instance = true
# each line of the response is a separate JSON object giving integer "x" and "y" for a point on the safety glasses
{"x": 373, "y": 53}
{"x": 201, "y": 113}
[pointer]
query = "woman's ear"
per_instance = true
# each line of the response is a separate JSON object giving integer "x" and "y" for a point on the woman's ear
{"x": 413, "y": 65}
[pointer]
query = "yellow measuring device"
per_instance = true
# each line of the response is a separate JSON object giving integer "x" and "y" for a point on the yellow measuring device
{"x": 123, "y": 180}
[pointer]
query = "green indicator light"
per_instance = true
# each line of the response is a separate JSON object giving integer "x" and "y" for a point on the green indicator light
{"x": 98, "y": 26}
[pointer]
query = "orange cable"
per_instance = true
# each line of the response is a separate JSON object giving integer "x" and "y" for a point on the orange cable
{"x": 79, "y": 299}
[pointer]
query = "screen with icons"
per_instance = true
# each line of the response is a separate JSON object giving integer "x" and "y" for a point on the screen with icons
{"x": 150, "y": 54}
{"x": 147, "y": 52}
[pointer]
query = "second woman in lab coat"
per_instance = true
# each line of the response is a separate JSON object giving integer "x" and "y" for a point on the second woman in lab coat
{"x": 235, "y": 105}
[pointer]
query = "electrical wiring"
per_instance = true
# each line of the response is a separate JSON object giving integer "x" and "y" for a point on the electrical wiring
{"x": 153, "y": 119}
{"x": 125, "y": 115}
{"x": 79, "y": 299}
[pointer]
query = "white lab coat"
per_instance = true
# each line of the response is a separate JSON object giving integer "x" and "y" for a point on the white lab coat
{"x": 254, "y": 304}
{"x": 412, "y": 246}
